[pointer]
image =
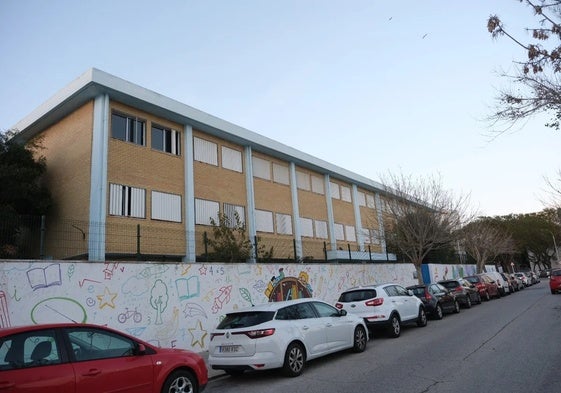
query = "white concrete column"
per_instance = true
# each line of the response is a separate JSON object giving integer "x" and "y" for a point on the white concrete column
{"x": 189, "y": 204}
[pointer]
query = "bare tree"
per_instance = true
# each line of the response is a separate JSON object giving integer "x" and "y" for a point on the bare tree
{"x": 553, "y": 191}
{"x": 485, "y": 242}
{"x": 421, "y": 216}
{"x": 537, "y": 84}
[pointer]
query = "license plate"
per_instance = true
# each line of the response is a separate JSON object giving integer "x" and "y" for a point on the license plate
{"x": 229, "y": 348}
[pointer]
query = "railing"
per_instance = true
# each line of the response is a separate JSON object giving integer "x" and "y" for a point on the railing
{"x": 32, "y": 237}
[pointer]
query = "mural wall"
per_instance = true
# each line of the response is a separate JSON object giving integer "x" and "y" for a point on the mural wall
{"x": 169, "y": 304}
{"x": 178, "y": 304}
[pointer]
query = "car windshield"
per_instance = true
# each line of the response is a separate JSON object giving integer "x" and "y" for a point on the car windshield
{"x": 473, "y": 280}
{"x": 245, "y": 319}
{"x": 357, "y": 295}
{"x": 556, "y": 273}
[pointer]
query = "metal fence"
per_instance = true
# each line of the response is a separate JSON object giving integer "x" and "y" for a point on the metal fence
{"x": 33, "y": 237}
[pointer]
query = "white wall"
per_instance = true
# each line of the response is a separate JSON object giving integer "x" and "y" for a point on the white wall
{"x": 169, "y": 304}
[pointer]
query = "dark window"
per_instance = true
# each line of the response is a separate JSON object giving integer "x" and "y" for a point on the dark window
{"x": 245, "y": 319}
{"x": 128, "y": 128}
{"x": 37, "y": 348}
{"x": 357, "y": 296}
{"x": 325, "y": 310}
{"x": 166, "y": 139}
{"x": 90, "y": 344}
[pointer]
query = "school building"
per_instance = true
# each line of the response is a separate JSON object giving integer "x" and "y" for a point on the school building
{"x": 133, "y": 172}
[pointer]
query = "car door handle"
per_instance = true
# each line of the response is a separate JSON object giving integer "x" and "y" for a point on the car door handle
{"x": 328, "y": 325}
{"x": 305, "y": 328}
{"x": 7, "y": 385}
{"x": 92, "y": 372}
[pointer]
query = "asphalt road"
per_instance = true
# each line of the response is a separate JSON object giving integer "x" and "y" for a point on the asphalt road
{"x": 512, "y": 344}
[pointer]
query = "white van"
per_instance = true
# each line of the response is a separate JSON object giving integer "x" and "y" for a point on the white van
{"x": 501, "y": 282}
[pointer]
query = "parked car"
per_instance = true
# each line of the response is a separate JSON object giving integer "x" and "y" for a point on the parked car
{"x": 387, "y": 306}
{"x": 437, "y": 299}
{"x": 485, "y": 285}
{"x": 509, "y": 282}
{"x": 86, "y": 358}
{"x": 502, "y": 284}
{"x": 536, "y": 277}
{"x": 555, "y": 281}
{"x": 524, "y": 278}
{"x": 517, "y": 282}
{"x": 283, "y": 335}
{"x": 465, "y": 292}
{"x": 545, "y": 273}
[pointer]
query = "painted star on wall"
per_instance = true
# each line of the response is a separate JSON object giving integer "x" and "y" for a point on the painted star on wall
{"x": 107, "y": 299}
{"x": 198, "y": 335}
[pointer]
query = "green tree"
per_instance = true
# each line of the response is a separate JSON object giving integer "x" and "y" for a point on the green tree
{"x": 22, "y": 169}
{"x": 535, "y": 86}
{"x": 229, "y": 241}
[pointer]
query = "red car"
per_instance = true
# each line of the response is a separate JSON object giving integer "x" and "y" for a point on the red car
{"x": 86, "y": 358}
{"x": 487, "y": 287}
{"x": 555, "y": 281}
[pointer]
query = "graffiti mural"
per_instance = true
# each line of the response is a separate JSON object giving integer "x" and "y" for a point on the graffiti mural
{"x": 170, "y": 304}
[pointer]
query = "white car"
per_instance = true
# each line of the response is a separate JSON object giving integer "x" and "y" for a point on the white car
{"x": 384, "y": 305}
{"x": 502, "y": 283}
{"x": 283, "y": 334}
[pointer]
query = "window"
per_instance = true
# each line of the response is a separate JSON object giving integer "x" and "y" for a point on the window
{"x": 361, "y": 198}
{"x": 321, "y": 229}
{"x": 284, "y": 223}
{"x": 166, "y": 207}
{"x": 350, "y": 233}
{"x": 297, "y": 311}
{"x": 371, "y": 236}
{"x": 346, "y": 194}
{"x": 91, "y": 344}
{"x": 280, "y": 174}
{"x": 205, "y": 151}
{"x": 339, "y": 231}
{"x": 230, "y": 212}
{"x": 317, "y": 185}
{"x": 325, "y": 310}
{"x": 307, "y": 227}
{"x": 127, "y": 201}
{"x": 38, "y": 348}
{"x": 303, "y": 181}
{"x": 370, "y": 201}
{"x": 205, "y": 211}
{"x": 128, "y": 128}
{"x": 264, "y": 221}
{"x": 166, "y": 139}
{"x": 232, "y": 159}
{"x": 335, "y": 194}
{"x": 261, "y": 168}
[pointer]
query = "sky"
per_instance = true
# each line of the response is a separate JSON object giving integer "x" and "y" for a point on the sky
{"x": 374, "y": 87}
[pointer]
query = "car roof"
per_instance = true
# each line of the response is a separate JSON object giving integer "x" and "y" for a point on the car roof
{"x": 274, "y": 306}
{"x": 370, "y": 286}
{"x": 29, "y": 328}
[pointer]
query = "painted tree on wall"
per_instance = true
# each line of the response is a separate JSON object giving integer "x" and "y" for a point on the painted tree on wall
{"x": 159, "y": 299}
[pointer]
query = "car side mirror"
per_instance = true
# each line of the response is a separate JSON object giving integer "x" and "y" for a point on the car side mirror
{"x": 410, "y": 292}
{"x": 141, "y": 349}
{"x": 342, "y": 312}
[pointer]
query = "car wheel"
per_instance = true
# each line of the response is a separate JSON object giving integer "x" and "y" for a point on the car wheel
{"x": 468, "y": 302}
{"x": 395, "y": 326}
{"x": 422, "y": 318}
{"x": 359, "y": 339}
{"x": 478, "y": 298}
{"x": 487, "y": 297}
{"x": 181, "y": 381}
{"x": 294, "y": 360}
{"x": 456, "y": 307}
{"x": 438, "y": 314}
{"x": 552, "y": 292}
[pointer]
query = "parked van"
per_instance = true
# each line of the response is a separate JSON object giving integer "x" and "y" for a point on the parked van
{"x": 501, "y": 282}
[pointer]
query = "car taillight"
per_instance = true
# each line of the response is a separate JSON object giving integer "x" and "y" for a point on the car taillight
{"x": 339, "y": 306}
{"x": 459, "y": 289}
{"x": 375, "y": 302}
{"x": 428, "y": 296}
{"x": 259, "y": 333}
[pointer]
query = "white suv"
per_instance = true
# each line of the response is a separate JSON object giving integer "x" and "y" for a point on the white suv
{"x": 384, "y": 305}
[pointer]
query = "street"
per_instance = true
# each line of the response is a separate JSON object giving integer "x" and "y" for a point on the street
{"x": 512, "y": 344}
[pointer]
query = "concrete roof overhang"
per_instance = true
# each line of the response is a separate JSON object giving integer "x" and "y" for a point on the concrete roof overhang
{"x": 94, "y": 83}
